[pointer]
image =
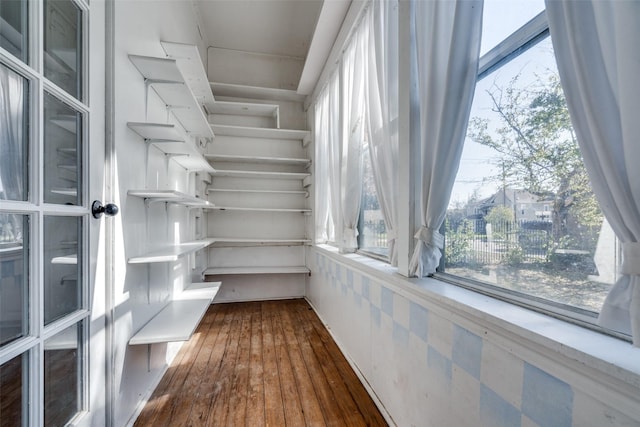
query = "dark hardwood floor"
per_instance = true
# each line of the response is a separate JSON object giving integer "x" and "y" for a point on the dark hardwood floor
{"x": 266, "y": 363}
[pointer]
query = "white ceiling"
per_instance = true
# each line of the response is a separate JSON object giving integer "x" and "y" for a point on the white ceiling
{"x": 277, "y": 27}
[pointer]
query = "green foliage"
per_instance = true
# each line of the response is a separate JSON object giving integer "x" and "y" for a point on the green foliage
{"x": 458, "y": 241}
{"x": 532, "y": 134}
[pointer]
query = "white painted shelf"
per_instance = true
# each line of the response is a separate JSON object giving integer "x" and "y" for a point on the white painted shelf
{"x": 72, "y": 168}
{"x": 256, "y": 241}
{"x": 245, "y": 190}
{"x": 171, "y": 253}
{"x": 164, "y": 75}
{"x": 65, "y": 260}
{"x": 268, "y": 133}
{"x": 179, "y": 318}
{"x": 257, "y": 270}
{"x": 241, "y": 209}
{"x": 257, "y": 159}
{"x": 255, "y": 92}
{"x": 170, "y": 196}
{"x": 167, "y": 139}
{"x": 260, "y": 174}
{"x": 246, "y": 109}
{"x": 156, "y": 132}
{"x": 191, "y": 66}
{"x": 66, "y": 122}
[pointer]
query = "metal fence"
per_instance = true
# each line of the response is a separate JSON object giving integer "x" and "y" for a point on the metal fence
{"x": 473, "y": 241}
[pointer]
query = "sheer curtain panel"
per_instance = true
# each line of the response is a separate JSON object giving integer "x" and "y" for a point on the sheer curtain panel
{"x": 382, "y": 96}
{"x": 327, "y": 161}
{"x": 448, "y": 45}
{"x": 596, "y": 47}
{"x": 12, "y": 143}
{"x": 354, "y": 131}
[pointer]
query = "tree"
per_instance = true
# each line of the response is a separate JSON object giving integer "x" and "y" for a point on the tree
{"x": 531, "y": 132}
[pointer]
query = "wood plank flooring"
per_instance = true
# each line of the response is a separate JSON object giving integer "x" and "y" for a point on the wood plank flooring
{"x": 268, "y": 363}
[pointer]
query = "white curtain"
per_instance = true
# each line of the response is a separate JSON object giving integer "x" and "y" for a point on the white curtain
{"x": 327, "y": 161}
{"x": 382, "y": 96}
{"x": 448, "y": 44}
{"x": 354, "y": 131}
{"x": 12, "y": 154}
{"x": 596, "y": 47}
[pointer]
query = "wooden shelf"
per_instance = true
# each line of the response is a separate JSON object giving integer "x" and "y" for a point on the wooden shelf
{"x": 170, "y": 196}
{"x": 172, "y": 253}
{"x": 71, "y": 259}
{"x": 179, "y": 318}
{"x": 257, "y": 159}
{"x": 166, "y": 78}
{"x": 267, "y": 133}
{"x": 241, "y": 209}
{"x": 72, "y": 168}
{"x": 260, "y": 174}
{"x": 216, "y": 271}
{"x": 255, "y": 92}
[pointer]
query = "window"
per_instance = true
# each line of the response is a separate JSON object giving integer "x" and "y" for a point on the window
{"x": 521, "y": 151}
{"x": 372, "y": 237}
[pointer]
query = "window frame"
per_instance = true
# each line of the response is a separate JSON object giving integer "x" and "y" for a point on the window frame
{"x": 518, "y": 42}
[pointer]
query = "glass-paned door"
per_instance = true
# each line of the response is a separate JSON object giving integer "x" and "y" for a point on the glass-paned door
{"x": 46, "y": 229}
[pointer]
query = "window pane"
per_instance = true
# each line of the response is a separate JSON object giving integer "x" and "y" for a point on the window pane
{"x": 523, "y": 216}
{"x": 62, "y": 277}
{"x": 63, "y": 45}
{"x": 61, "y": 374}
{"x": 13, "y": 27}
{"x": 501, "y": 18}
{"x": 62, "y": 153}
{"x": 13, "y": 395}
{"x": 14, "y": 135}
{"x": 373, "y": 232}
{"x": 14, "y": 276}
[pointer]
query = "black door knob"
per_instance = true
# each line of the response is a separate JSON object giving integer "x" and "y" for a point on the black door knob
{"x": 97, "y": 209}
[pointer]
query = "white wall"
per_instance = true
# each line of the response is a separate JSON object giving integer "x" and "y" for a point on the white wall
{"x": 438, "y": 355}
{"x": 141, "y": 290}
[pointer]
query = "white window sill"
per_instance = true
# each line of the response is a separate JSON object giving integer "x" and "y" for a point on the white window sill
{"x": 604, "y": 358}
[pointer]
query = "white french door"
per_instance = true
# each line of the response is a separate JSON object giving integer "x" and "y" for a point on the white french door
{"x": 51, "y": 168}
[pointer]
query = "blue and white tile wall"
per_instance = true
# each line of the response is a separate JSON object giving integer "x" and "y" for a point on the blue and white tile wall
{"x": 428, "y": 371}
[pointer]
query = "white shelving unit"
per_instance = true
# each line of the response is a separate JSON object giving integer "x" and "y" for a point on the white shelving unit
{"x": 181, "y": 84}
{"x": 71, "y": 259}
{"x": 261, "y": 169}
{"x": 179, "y": 318}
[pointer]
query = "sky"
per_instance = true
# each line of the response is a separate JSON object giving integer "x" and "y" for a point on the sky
{"x": 500, "y": 19}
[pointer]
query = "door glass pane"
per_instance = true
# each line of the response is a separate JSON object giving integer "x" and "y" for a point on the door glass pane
{"x": 61, "y": 373}
{"x": 62, "y": 152}
{"x": 14, "y": 135}
{"x": 13, "y": 391}
{"x": 13, "y": 27}
{"x": 62, "y": 277}
{"x": 63, "y": 45}
{"x": 14, "y": 276}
